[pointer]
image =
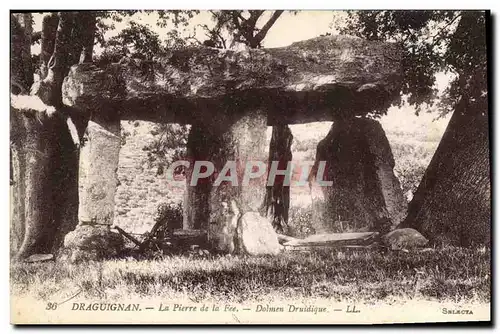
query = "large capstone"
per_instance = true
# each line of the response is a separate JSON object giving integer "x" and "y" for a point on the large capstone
{"x": 311, "y": 80}
{"x": 364, "y": 194}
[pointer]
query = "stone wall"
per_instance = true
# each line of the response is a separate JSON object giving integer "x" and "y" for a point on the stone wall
{"x": 140, "y": 190}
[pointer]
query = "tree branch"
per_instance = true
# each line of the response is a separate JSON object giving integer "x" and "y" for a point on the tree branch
{"x": 443, "y": 28}
{"x": 263, "y": 32}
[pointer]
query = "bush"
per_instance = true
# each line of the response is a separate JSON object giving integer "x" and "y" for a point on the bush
{"x": 304, "y": 145}
{"x": 412, "y": 158}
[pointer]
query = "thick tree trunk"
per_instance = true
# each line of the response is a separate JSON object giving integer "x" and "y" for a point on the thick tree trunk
{"x": 277, "y": 199}
{"x": 365, "y": 194}
{"x": 49, "y": 31}
{"x": 32, "y": 148}
{"x": 452, "y": 203}
{"x": 44, "y": 143}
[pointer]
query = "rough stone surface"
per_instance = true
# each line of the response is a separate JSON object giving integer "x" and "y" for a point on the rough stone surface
{"x": 365, "y": 194}
{"x": 207, "y": 203}
{"x": 256, "y": 235}
{"x": 222, "y": 233}
{"x": 243, "y": 141}
{"x": 92, "y": 242}
{"x": 404, "y": 238}
{"x": 99, "y": 163}
{"x": 302, "y": 82}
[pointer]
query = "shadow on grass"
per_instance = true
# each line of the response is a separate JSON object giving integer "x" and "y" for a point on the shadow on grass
{"x": 441, "y": 274}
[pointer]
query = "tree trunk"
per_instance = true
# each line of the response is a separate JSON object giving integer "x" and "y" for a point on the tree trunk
{"x": 277, "y": 199}
{"x": 200, "y": 145}
{"x": 30, "y": 137}
{"x": 43, "y": 138}
{"x": 452, "y": 204}
{"x": 21, "y": 68}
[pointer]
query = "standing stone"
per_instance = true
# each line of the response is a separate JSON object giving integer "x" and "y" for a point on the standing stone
{"x": 243, "y": 141}
{"x": 240, "y": 138}
{"x": 99, "y": 164}
{"x": 365, "y": 195}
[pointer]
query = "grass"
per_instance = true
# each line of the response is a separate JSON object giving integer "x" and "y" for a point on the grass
{"x": 446, "y": 274}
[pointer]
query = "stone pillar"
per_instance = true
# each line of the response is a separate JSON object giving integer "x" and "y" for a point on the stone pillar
{"x": 365, "y": 194}
{"x": 243, "y": 141}
{"x": 220, "y": 207}
{"x": 93, "y": 239}
{"x": 100, "y": 162}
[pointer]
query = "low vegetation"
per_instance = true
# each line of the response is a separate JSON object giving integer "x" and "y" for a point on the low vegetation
{"x": 446, "y": 274}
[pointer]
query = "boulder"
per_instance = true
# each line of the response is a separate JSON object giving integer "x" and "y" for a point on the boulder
{"x": 256, "y": 235}
{"x": 364, "y": 195}
{"x": 306, "y": 81}
{"x": 404, "y": 238}
{"x": 92, "y": 242}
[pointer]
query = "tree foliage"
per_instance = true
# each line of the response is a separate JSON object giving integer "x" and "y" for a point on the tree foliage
{"x": 433, "y": 41}
{"x": 229, "y": 29}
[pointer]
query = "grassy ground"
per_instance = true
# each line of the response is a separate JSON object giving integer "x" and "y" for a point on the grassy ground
{"x": 448, "y": 274}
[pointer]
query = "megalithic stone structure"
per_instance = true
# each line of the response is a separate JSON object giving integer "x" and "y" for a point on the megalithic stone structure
{"x": 242, "y": 141}
{"x": 311, "y": 80}
{"x": 365, "y": 195}
{"x": 93, "y": 238}
{"x": 230, "y": 97}
{"x": 99, "y": 163}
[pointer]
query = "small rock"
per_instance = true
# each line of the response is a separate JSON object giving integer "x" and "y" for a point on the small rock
{"x": 257, "y": 236}
{"x": 404, "y": 238}
{"x": 39, "y": 258}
